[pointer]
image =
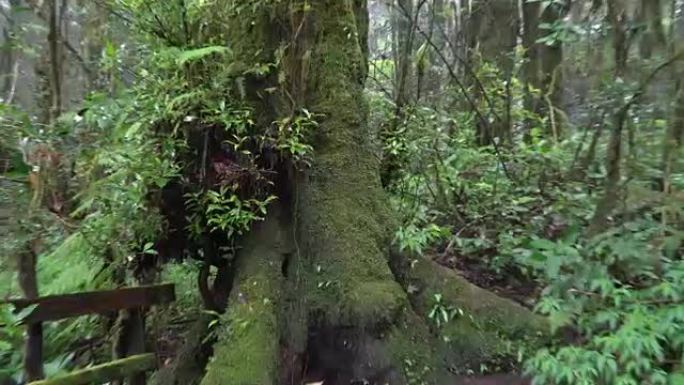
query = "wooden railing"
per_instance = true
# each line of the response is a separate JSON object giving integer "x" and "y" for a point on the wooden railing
{"x": 135, "y": 362}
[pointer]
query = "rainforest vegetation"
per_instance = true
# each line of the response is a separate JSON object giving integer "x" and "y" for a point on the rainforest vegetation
{"x": 377, "y": 192}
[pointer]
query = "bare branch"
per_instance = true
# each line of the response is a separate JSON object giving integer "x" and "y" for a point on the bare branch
{"x": 13, "y": 85}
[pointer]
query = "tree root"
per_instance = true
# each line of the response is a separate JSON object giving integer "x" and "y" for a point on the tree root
{"x": 484, "y": 325}
{"x": 248, "y": 347}
{"x": 187, "y": 367}
{"x": 253, "y": 346}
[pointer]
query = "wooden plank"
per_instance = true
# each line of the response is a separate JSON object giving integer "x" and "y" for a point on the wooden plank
{"x": 57, "y": 307}
{"x": 106, "y": 372}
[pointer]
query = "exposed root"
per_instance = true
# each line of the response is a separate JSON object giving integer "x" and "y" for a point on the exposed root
{"x": 188, "y": 366}
{"x": 484, "y": 327}
{"x": 248, "y": 347}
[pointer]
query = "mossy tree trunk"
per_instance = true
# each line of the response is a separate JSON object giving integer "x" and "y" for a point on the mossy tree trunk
{"x": 653, "y": 37}
{"x": 314, "y": 296}
{"x": 530, "y": 13}
{"x": 551, "y": 58}
{"x": 542, "y": 70}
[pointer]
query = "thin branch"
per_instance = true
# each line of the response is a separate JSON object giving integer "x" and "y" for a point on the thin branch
{"x": 77, "y": 56}
{"x": 483, "y": 120}
{"x": 113, "y": 12}
{"x": 13, "y": 85}
{"x": 471, "y": 73}
{"x": 644, "y": 85}
{"x": 464, "y": 91}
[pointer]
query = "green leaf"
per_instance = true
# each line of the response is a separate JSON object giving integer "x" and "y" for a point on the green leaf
{"x": 542, "y": 244}
{"x": 199, "y": 53}
{"x": 25, "y": 312}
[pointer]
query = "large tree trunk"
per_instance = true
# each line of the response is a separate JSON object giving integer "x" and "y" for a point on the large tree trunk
{"x": 314, "y": 297}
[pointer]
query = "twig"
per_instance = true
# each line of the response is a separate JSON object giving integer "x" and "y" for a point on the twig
{"x": 473, "y": 106}
{"x": 13, "y": 85}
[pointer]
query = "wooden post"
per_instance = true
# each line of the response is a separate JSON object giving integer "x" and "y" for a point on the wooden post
{"x": 131, "y": 340}
{"x": 131, "y": 302}
{"x": 33, "y": 352}
{"x": 33, "y": 345}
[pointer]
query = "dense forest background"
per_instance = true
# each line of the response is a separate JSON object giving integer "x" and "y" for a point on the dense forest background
{"x": 527, "y": 218}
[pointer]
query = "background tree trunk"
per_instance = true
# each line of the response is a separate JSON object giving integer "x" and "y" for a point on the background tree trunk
{"x": 551, "y": 58}
{"x": 54, "y": 45}
{"x": 611, "y": 195}
{"x": 531, "y": 12}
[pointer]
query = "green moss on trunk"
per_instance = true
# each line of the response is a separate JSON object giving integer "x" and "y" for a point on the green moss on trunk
{"x": 341, "y": 205}
{"x": 338, "y": 279}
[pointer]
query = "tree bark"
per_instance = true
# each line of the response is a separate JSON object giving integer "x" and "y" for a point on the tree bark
{"x": 531, "y": 12}
{"x": 491, "y": 35}
{"x": 653, "y": 38}
{"x": 551, "y": 58}
{"x": 9, "y": 64}
{"x": 439, "y": 33}
{"x": 402, "y": 29}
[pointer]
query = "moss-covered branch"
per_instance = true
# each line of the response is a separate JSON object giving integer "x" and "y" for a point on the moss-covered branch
{"x": 102, "y": 373}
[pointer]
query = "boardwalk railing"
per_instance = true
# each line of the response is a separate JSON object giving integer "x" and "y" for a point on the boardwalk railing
{"x": 134, "y": 361}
